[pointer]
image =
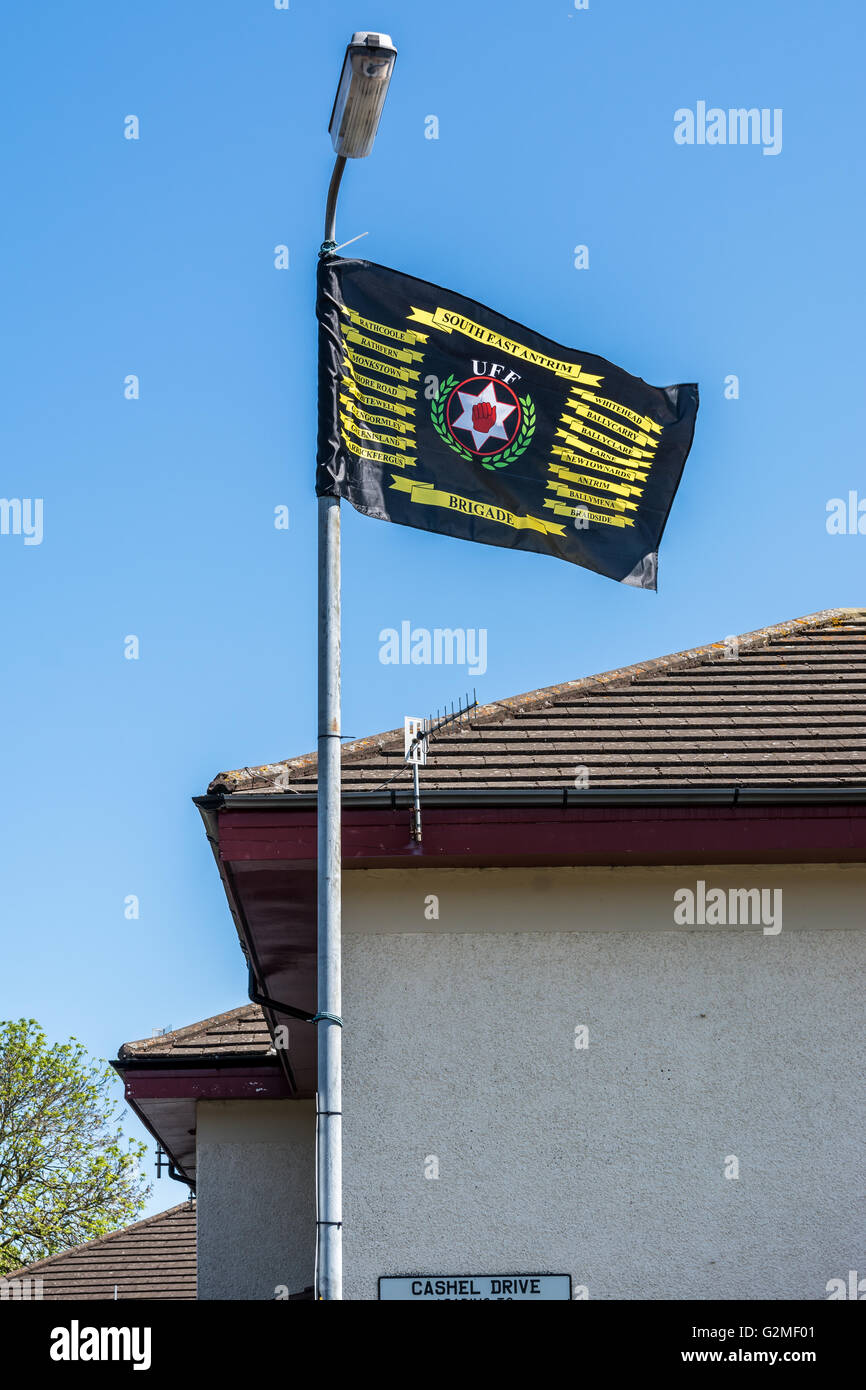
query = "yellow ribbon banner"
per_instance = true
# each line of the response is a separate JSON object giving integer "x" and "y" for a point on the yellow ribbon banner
{"x": 400, "y": 354}
{"x": 618, "y": 445}
{"x": 377, "y": 456}
{"x": 348, "y": 424}
{"x": 381, "y": 422}
{"x": 643, "y": 421}
{"x": 592, "y": 452}
{"x": 626, "y": 475}
{"x": 449, "y": 321}
{"x": 355, "y": 381}
{"x": 609, "y": 518}
{"x": 385, "y": 330}
{"x": 615, "y": 504}
{"x": 358, "y": 360}
{"x": 621, "y": 450}
{"x": 602, "y": 484}
{"x": 636, "y": 436}
{"x": 429, "y": 495}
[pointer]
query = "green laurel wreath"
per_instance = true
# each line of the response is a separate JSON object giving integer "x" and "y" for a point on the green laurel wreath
{"x": 521, "y": 443}
{"x": 517, "y": 447}
{"x": 437, "y": 415}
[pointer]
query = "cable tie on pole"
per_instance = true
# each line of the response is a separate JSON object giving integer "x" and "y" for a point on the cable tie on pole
{"x": 327, "y": 248}
{"x": 332, "y": 1018}
{"x": 329, "y": 1112}
{"x": 351, "y": 239}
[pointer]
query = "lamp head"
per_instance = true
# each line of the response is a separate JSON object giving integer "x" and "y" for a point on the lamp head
{"x": 364, "y": 81}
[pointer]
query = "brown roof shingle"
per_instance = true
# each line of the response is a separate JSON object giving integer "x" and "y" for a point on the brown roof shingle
{"x": 790, "y": 710}
{"x": 240, "y": 1032}
{"x": 154, "y": 1258}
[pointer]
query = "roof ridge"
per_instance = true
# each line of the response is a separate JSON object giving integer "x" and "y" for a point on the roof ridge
{"x": 279, "y": 774}
{"x": 190, "y": 1030}
{"x": 101, "y": 1240}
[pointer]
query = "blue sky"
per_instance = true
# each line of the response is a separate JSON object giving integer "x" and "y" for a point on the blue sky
{"x": 155, "y": 257}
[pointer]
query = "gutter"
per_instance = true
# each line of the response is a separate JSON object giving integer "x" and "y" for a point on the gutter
{"x": 244, "y": 1061}
{"x": 563, "y": 797}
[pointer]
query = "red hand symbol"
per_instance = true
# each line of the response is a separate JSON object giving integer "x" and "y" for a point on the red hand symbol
{"x": 483, "y": 417}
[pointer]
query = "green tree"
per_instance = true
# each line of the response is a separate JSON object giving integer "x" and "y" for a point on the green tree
{"x": 67, "y": 1174}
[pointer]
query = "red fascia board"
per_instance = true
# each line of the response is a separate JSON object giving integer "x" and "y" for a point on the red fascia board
{"x": 551, "y": 835}
{"x": 211, "y": 1083}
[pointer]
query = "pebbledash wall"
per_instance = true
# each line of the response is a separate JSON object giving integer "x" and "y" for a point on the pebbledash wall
{"x": 255, "y": 1197}
{"x": 606, "y": 1162}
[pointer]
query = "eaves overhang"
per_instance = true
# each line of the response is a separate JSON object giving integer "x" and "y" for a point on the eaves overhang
{"x": 164, "y": 1092}
{"x": 265, "y": 847}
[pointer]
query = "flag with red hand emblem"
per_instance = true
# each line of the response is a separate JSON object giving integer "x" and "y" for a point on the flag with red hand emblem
{"x": 437, "y": 412}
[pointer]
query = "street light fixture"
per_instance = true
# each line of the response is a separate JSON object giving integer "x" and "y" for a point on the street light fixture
{"x": 367, "y": 70}
{"x": 361, "y": 93}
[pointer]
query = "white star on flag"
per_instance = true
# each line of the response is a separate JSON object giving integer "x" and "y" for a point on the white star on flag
{"x": 486, "y": 397}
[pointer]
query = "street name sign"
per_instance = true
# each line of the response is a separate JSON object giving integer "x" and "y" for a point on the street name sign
{"x": 468, "y": 1287}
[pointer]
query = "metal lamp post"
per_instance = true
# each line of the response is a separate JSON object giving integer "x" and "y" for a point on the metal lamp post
{"x": 367, "y": 69}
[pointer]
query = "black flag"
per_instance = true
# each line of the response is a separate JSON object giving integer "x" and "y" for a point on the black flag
{"x": 437, "y": 412}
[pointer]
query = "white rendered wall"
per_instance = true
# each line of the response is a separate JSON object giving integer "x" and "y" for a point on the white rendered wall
{"x": 609, "y": 1162}
{"x": 256, "y": 1197}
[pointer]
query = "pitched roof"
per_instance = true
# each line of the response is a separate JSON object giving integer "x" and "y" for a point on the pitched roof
{"x": 240, "y": 1032}
{"x": 154, "y": 1258}
{"x": 783, "y": 706}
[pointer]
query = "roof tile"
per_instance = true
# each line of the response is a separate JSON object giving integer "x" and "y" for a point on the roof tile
{"x": 154, "y": 1258}
{"x": 790, "y": 710}
{"x": 240, "y": 1032}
